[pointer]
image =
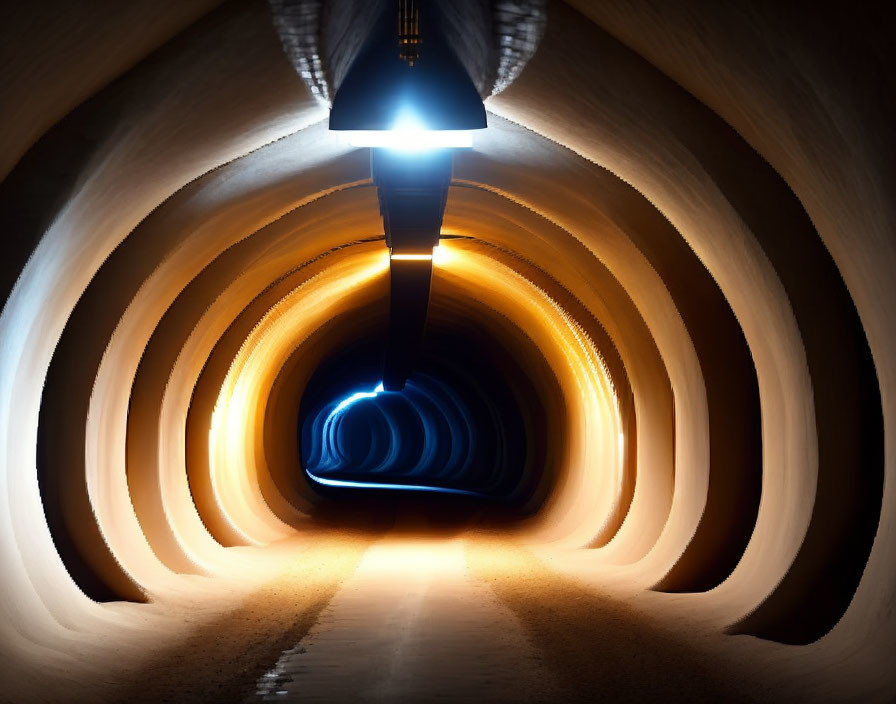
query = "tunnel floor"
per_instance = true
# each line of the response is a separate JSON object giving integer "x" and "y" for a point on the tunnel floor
{"x": 412, "y": 614}
{"x": 410, "y": 625}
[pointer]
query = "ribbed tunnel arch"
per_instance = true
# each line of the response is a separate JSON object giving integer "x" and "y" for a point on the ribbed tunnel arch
{"x": 657, "y": 366}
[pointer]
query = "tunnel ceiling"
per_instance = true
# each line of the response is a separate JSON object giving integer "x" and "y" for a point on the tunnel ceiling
{"x": 661, "y": 319}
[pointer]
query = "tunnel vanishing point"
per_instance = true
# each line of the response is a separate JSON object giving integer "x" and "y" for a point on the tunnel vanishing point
{"x": 447, "y": 351}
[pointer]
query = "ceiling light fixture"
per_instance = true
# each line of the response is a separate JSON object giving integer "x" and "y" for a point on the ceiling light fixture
{"x": 413, "y": 104}
{"x": 409, "y": 133}
{"x": 396, "y": 84}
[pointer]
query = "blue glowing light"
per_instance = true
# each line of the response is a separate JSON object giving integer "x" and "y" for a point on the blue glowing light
{"x": 344, "y": 483}
{"x": 424, "y": 432}
{"x": 354, "y": 398}
{"x": 330, "y": 455}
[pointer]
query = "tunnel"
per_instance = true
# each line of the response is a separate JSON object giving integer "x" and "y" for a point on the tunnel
{"x": 597, "y": 406}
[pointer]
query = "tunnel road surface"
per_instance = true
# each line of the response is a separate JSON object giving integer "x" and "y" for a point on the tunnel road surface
{"x": 482, "y": 620}
{"x": 412, "y": 616}
{"x": 411, "y": 625}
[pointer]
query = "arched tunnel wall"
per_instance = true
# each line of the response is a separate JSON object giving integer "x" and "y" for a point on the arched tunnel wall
{"x": 677, "y": 221}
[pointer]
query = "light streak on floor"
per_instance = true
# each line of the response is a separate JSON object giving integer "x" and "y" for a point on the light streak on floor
{"x": 412, "y": 625}
{"x": 346, "y": 484}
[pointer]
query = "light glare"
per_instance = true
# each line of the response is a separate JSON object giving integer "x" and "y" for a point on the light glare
{"x": 411, "y": 139}
{"x": 412, "y": 257}
{"x": 344, "y": 483}
{"x": 440, "y": 254}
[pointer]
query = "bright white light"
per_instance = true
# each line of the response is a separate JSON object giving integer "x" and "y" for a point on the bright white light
{"x": 409, "y": 134}
{"x": 408, "y": 121}
{"x": 440, "y": 254}
{"x": 412, "y": 257}
{"x": 411, "y": 140}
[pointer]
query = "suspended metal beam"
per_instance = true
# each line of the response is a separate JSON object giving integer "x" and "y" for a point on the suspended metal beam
{"x": 412, "y": 191}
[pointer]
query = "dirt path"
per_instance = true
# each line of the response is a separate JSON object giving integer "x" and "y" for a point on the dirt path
{"x": 599, "y": 648}
{"x": 399, "y": 618}
{"x": 223, "y": 657}
{"x": 411, "y": 625}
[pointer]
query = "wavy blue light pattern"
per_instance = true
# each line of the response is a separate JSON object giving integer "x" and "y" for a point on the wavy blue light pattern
{"x": 330, "y": 453}
{"x": 427, "y": 437}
